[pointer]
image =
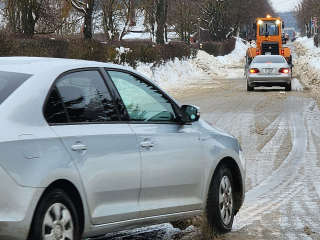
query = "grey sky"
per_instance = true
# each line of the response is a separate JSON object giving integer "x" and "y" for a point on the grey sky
{"x": 284, "y": 5}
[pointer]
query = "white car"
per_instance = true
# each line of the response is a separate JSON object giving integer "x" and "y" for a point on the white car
{"x": 89, "y": 148}
{"x": 268, "y": 71}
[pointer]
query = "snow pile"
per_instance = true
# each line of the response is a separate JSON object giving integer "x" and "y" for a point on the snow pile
{"x": 308, "y": 62}
{"x": 203, "y": 67}
{"x": 171, "y": 73}
{"x": 296, "y": 85}
{"x": 236, "y": 59}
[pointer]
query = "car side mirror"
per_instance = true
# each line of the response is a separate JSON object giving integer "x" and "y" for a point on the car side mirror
{"x": 190, "y": 113}
{"x": 292, "y": 65}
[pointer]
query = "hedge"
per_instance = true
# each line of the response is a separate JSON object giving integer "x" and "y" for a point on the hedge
{"x": 139, "y": 51}
{"x": 219, "y": 48}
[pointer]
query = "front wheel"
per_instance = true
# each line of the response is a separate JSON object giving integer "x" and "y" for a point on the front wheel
{"x": 55, "y": 218}
{"x": 220, "y": 201}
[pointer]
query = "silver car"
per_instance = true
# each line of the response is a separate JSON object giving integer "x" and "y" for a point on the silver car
{"x": 89, "y": 148}
{"x": 269, "y": 70}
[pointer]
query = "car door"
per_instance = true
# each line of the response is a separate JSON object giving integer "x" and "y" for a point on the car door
{"x": 171, "y": 153}
{"x": 82, "y": 113}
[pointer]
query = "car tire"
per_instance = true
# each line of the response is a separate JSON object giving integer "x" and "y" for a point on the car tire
{"x": 288, "y": 87}
{"x": 249, "y": 89}
{"x": 220, "y": 201}
{"x": 55, "y": 215}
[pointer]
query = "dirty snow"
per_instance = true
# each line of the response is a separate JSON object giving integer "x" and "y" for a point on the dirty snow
{"x": 307, "y": 64}
{"x": 296, "y": 85}
{"x": 204, "y": 67}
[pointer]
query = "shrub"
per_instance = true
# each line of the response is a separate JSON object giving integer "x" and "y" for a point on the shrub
{"x": 213, "y": 48}
{"x": 75, "y": 48}
{"x": 87, "y": 50}
{"x": 219, "y": 48}
{"x": 6, "y": 44}
{"x": 229, "y": 46}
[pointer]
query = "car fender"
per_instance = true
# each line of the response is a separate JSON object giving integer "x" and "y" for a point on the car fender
{"x": 218, "y": 147}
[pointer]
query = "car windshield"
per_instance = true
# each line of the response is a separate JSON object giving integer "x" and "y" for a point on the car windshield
{"x": 270, "y": 28}
{"x": 269, "y": 59}
{"x": 9, "y": 82}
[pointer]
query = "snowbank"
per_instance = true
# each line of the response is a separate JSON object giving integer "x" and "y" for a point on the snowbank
{"x": 308, "y": 62}
{"x": 203, "y": 67}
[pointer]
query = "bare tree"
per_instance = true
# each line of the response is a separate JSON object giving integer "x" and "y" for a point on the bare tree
{"x": 224, "y": 18}
{"x": 156, "y": 18}
{"x": 35, "y": 17}
{"x": 116, "y": 16}
{"x": 183, "y": 14}
{"x": 22, "y": 15}
{"x": 86, "y": 8}
{"x": 304, "y": 12}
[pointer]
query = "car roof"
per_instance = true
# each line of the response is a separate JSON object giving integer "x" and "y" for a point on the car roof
{"x": 35, "y": 65}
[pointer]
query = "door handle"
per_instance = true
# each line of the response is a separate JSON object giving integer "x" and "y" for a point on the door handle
{"x": 78, "y": 147}
{"x": 147, "y": 144}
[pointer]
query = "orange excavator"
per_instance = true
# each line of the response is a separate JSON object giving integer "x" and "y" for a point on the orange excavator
{"x": 269, "y": 39}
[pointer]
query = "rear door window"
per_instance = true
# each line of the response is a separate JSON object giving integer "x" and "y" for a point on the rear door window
{"x": 80, "y": 97}
{"x": 9, "y": 82}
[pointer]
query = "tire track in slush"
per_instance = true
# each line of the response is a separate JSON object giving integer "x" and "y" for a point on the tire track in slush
{"x": 268, "y": 152}
{"x": 288, "y": 190}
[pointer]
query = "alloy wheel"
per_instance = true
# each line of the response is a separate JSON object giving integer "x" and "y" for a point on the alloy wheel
{"x": 57, "y": 223}
{"x": 225, "y": 200}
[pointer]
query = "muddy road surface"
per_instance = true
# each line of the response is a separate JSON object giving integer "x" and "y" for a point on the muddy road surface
{"x": 280, "y": 134}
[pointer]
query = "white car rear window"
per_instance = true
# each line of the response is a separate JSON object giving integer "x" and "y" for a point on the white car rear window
{"x": 269, "y": 59}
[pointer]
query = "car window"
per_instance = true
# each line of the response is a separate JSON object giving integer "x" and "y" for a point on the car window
{"x": 270, "y": 28}
{"x": 85, "y": 97}
{"x": 269, "y": 59}
{"x": 143, "y": 101}
{"x": 54, "y": 111}
{"x": 9, "y": 82}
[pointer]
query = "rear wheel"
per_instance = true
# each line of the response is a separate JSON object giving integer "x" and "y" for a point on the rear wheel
{"x": 55, "y": 218}
{"x": 220, "y": 202}
{"x": 288, "y": 87}
{"x": 249, "y": 88}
